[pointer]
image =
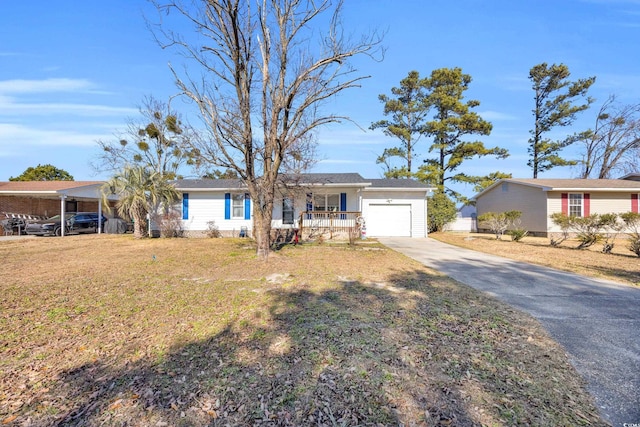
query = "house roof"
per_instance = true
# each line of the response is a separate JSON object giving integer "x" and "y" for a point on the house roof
{"x": 43, "y": 186}
{"x": 79, "y": 190}
{"x": 309, "y": 179}
{"x": 208, "y": 184}
{"x": 631, "y": 176}
{"x": 604, "y": 185}
{"x": 397, "y": 184}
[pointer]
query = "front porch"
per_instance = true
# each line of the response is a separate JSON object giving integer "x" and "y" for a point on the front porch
{"x": 330, "y": 225}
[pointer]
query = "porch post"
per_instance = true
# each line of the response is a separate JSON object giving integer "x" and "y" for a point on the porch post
{"x": 63, "y": 222}
{"x": 99, "y": 216}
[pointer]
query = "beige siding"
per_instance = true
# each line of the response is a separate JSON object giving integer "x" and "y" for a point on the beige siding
{"x": 600, "y": 203}
{"x": 531, "y": 201}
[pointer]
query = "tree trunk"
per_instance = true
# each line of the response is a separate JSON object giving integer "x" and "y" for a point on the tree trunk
{"x": 262, "y": 232}
{"x": 138, "y": 226}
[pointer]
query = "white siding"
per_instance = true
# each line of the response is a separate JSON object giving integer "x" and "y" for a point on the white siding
{"x": 416, "y": 201}
{"x": 209, "y": 206}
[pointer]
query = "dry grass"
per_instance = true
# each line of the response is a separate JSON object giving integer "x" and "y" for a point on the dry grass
{"x": 105, "y": 330}
{"x": 621, "y": 265}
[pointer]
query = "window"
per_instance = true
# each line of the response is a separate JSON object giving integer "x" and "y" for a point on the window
{"x": 326, "y": 202}
{"x": 238, "y": 206}
{"x": 287, "y": 210}
{"x": 575, "y": 204}
{"x": 505, "y": 187}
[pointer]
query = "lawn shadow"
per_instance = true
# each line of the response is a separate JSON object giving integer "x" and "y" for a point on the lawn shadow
{"x": 399, "y": 352}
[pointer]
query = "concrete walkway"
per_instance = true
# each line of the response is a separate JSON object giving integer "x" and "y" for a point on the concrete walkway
{"x": 597, "y": 321}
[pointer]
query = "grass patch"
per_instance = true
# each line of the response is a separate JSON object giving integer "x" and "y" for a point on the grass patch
{"x": 113, "y": 331}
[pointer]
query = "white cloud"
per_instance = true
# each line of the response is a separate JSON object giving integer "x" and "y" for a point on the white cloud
{"x": 14, "y": 139}
{"x": 43, "y": 86}
{"x": 496, "y": 115}
{"x": 8, "y": 107}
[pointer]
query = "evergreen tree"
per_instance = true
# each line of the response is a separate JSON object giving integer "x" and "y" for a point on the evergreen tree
{"x": 407, "y": 110}
{"x": 453, "y": 121}
{"x": 554, "y": 107}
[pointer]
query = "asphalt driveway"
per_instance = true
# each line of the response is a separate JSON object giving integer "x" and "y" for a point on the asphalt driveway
{"x": 597, "y": 321}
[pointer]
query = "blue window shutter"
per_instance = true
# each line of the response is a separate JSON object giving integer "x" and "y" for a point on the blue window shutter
{"x": 309, "y": 204}
{"x": 227, "y": 205}
{"x": 185, "y": 205}
{"x": 247, "y": 206}
{"x": 343, "y": 204}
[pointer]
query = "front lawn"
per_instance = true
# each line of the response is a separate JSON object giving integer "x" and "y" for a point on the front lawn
{"x": 105, "y": 330}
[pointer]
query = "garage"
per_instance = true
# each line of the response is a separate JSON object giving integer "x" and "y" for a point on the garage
{"x": 388, "y": 220}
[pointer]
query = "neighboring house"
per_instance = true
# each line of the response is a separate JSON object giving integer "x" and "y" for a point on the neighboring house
{"x": 314, "y": 203}
{"x": 35, "y": 199}
{"x": 465, "y": 220}
{"x": 537, "y": 199}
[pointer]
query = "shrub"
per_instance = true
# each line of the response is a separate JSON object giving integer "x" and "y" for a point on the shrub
{"x": 634, "y": 243}
{"x": 171, "y": 225}
{"x": 212, "y": 230}
{"x": 632, "y": 226}
{"x": 498, "y": 223}
{"x": 564, "y": 222}
{"x": 518, "y": 234}
{"x": 441, "y": 210}
{"x": 589, "y": 230}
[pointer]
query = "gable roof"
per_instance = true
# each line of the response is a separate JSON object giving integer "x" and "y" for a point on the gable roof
{"x": 604, "y": 185}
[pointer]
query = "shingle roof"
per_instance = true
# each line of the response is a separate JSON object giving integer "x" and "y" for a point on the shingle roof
{"x": 311, "y": 179}
{"x": 325, "y": 178}
{"x": 43, "y": 186}
{"x": 575, "y": 184}
{"x": 397, "y": 183}
{"x": 204, "y": 183}
{"x": 611, "y": 185}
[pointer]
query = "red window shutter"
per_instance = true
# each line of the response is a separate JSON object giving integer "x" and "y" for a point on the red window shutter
{"x": 634, "y": 203}
{"x": 587, "y": 204}
{"x": 565, "y": 203}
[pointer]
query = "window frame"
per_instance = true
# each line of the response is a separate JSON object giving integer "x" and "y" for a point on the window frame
{"x": 325, "y": 204}
{"x": 288, "y": 207}
{"x": 571, "y": 205}
{"x": 239, "y": 198}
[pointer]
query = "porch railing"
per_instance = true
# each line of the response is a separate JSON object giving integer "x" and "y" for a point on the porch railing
{"x": 334, "y": 223}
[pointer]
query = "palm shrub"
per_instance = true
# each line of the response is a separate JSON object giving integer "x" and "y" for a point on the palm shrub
{"x": 140, "y": 192}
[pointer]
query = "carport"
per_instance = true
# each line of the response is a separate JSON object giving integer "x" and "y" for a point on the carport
{"x": 49, "y": 198}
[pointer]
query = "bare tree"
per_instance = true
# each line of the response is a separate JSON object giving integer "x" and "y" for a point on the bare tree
{"x": 614, "y": 144}
{"x": 265, "y": 73}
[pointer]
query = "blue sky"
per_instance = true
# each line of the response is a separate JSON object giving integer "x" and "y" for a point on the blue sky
{"x": 73, "y": 72}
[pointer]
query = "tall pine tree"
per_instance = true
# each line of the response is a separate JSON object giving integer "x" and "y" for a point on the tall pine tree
{"x": 555, "y": 97}
{"x": 407, "y": 110}
{"x": 451, "y": 124}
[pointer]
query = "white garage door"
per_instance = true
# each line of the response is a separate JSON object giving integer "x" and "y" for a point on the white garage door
{"x": 389, "y": 220}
